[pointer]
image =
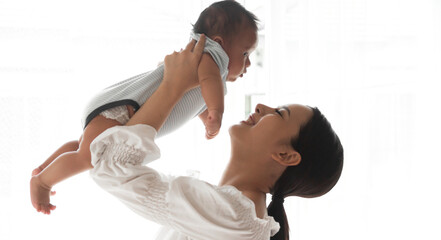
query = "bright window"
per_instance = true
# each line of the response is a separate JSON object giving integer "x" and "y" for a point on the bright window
{"x": 372, "y": 67}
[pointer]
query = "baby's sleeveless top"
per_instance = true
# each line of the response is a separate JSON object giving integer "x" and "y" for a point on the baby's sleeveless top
{"x": 136, "y": 90}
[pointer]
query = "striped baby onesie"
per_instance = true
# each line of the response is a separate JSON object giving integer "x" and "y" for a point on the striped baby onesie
{"x": 136, "y": 90}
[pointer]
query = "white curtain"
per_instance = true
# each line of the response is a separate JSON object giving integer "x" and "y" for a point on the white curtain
{"x": 372, "y": 67}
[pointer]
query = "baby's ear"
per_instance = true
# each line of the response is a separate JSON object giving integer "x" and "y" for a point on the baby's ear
{"x": 219, "y": 40}
{"x": 287, "y": 157}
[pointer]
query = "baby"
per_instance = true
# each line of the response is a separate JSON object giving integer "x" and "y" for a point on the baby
{"x": 231, "y": 33}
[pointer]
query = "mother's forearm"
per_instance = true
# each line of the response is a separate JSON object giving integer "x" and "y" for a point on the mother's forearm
{"x": 158, "y": 107}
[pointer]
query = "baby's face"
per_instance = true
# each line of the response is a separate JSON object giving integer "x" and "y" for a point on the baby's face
{"x": 238, "y": 50}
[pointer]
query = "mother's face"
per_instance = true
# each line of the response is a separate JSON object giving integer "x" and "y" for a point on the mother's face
{"x": 270, "y": 127}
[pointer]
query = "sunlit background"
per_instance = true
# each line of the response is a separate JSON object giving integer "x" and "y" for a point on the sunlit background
{"x": 371, "y": 66}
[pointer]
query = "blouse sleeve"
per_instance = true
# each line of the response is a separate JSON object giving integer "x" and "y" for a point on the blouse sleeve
{"x": 118, "y": 155}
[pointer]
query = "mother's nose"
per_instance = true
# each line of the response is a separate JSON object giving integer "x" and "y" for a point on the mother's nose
{"x": 261, "y": 108}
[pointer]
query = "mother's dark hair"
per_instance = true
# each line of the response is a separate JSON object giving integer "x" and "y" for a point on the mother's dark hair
{"x": 317, "y": 173}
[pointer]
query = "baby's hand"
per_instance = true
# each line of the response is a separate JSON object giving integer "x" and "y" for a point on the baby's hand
{"x": 213, "y": 123}
{"x": 40, "y": 196}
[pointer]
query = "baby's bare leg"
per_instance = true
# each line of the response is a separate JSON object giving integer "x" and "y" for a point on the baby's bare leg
{"x": 67, "y": 147}
{"x": 66, "y": 165}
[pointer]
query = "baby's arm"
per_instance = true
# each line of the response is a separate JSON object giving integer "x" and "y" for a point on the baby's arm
{"x": 212, "y": 91}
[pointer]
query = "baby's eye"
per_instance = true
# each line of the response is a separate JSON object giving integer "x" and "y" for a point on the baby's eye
{"x": 245, "y": 54}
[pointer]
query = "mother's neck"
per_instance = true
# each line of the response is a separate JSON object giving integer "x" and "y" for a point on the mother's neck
{"x": 253, "y": 175}
{"x": 249, "y": 169}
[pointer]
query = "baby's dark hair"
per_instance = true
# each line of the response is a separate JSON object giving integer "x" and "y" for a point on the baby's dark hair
{"x": 224, "y": 18}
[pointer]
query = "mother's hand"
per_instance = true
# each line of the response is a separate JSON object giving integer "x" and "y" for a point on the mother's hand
{"x": 181, "y": 68}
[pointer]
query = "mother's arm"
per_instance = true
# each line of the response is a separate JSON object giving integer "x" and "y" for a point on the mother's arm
{"x": 119, "y": 153}
{"x": 180, "y": 75}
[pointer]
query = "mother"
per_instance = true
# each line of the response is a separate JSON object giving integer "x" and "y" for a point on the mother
{"x": 286, "y": 151}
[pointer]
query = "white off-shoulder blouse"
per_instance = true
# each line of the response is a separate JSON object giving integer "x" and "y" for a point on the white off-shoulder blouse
{"x": 188, "y": 208}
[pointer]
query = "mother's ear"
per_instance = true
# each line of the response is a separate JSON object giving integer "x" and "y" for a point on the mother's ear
{"x": 287, "y": 156}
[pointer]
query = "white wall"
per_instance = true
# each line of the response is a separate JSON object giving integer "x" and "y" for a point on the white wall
{"x": 372, "y": 67}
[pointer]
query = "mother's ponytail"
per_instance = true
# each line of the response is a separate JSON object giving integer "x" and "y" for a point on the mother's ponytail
{"x": 277, "y": 211}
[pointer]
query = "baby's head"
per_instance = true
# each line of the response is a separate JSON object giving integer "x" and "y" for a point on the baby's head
{"x": 235, "y": 29}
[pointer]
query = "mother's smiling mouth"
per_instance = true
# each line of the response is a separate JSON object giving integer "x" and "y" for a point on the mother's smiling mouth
{"x": 250, "y": 121}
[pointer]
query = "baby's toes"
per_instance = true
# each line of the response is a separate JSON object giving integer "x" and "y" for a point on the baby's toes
{"x": 52, "y": 207}
{"x": 46, "y": 211}
{"x": 47, "y": 208}
{"x": 36, "y": 206}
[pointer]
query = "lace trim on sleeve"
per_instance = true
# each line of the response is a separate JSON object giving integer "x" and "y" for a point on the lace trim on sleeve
{"x": 126, "y": 144}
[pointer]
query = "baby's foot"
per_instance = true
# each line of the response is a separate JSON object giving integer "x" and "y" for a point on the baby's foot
{"x": 40, "y": 196}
